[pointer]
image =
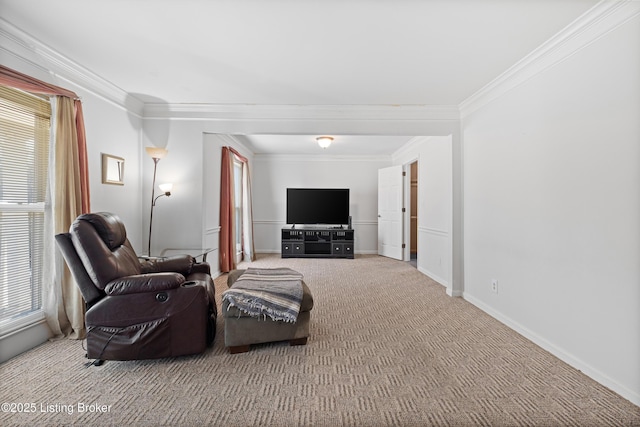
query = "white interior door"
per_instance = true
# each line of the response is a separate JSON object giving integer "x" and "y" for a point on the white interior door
{"x": 390, "y": 191}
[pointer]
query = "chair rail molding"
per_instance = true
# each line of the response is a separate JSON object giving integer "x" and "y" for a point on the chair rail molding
{"x": 433, "y": 231}
{"x": 212, "y": 230}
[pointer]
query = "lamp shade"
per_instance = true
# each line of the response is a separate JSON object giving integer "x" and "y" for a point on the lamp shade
{"x": 155, "y": 152}
{"x": 324, "y": 141}
{"x": 166, "y": 188}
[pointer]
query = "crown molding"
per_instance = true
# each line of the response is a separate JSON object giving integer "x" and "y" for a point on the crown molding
{"x": 64, "y": 69}
{"x": 298, "y": 158}
{"x": 230, "y": 112}
{"x": 413, "y": 143}
{"x": 598, "y": 21}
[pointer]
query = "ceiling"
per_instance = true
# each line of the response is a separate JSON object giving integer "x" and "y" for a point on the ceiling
{"x": 344, "y": 145}
{"x": 296, "y": 52}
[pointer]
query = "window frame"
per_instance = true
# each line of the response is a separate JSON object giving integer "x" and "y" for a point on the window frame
{"x": 14, "y": 320}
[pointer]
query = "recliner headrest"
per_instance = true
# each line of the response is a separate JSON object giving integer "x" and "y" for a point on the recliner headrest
{"x": 109, "y": 227}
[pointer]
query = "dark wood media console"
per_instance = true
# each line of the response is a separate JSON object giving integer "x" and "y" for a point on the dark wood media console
{"x": 317, "y": 242}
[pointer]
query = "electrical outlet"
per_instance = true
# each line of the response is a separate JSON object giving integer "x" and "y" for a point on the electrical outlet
{"x": 494, "y": 286}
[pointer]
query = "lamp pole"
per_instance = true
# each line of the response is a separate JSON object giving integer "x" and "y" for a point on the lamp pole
{"x": 153, "y": 203}
{"x": 156, "y": 154}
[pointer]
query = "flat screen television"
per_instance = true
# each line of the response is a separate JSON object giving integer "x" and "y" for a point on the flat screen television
{"x": 318, "y": 206}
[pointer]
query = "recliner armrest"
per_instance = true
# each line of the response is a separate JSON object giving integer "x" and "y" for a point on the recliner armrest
{"x": 201, "y": 267}
{"x": 178, "y": 263}
{"x": 140, "y": 283}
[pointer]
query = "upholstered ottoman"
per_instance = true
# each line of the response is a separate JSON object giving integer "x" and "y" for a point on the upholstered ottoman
{"x": 242, "y": 330}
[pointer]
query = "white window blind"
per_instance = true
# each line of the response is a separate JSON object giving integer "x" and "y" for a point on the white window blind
{"x": 24, "y": 153}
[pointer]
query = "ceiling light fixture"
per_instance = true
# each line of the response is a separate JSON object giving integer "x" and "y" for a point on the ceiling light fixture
{"x": 324, "y": 141}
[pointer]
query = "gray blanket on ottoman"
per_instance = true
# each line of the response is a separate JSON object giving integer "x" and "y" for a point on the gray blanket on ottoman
{"x": 262, "y": 292}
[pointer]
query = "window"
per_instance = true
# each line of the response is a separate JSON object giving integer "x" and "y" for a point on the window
{"x": 237, "y": 200}
{"x": 24, "y": 156}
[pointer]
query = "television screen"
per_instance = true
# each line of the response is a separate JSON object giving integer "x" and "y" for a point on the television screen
{"x": 317, "y": 206}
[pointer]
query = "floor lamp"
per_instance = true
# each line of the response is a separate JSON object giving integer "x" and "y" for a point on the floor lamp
{"x": 156, "y": 154}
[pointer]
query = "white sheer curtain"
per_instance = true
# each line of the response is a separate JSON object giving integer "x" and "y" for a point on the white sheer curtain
{"x": 247, "y": 214}
{"x": 50, "y": 270}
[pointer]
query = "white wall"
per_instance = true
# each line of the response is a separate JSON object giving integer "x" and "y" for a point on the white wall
{"x": 110, "y": 129}
{"x": 552, "y": 208}
{"x": 274, "y": 174}
{"x": 178, "y": 219}
{"x": 435, "y": 204}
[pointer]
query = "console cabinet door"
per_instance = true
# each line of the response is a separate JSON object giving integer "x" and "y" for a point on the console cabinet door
{"x": 348, "y": 249}
{"x": 337, "y": 248}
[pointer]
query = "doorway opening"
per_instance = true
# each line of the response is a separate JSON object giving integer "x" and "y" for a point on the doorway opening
{"x": 413, "y": 214}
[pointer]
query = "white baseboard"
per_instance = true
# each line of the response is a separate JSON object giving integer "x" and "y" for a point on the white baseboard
{"x": 560, "y": 353}
{"x": 23, "y": 340}
{"x": 435, "y": 277}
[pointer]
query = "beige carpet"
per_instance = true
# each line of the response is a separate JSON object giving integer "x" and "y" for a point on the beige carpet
{"x": 388, "y": 348}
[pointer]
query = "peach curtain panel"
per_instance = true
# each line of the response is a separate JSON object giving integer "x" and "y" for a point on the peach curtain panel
{"x": 227, "y": 244}
{"x": 65, "y": 299}
{"x": 64, "y": 307}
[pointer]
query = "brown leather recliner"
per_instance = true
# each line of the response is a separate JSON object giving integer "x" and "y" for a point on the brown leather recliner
{"x": 137, "y": 309}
